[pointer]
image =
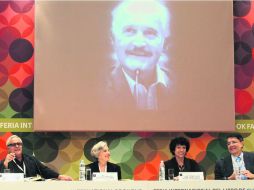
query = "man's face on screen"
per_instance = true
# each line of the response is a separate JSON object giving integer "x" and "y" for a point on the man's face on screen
{"x": 138, "y": 42}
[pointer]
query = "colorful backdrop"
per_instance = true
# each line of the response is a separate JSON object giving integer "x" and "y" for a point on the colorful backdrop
{"x": 138, "y": 154}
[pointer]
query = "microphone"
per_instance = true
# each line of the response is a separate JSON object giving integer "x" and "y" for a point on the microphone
{"x": 38, "y": 168}
{"x": 136, "y": 86}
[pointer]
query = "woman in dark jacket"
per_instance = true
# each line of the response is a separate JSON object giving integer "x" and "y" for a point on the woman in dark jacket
{"x": 179, "y": 147}
{"x": 101, "y": 153}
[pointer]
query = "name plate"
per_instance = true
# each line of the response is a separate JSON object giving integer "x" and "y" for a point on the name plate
{"x": 191, "y": 176}
{"x": 105, "y": 176}
{"x": 11, "y": 176}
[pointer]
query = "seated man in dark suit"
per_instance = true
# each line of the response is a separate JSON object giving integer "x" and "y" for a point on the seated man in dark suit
{"x": 100, "y": 152}
{"x": 236, "y": 162}
{"x": 17, "y": 162}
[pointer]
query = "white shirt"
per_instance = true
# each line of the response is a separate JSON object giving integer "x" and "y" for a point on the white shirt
{"x": 238, "y": 164}
{"x": 146, "y": 99}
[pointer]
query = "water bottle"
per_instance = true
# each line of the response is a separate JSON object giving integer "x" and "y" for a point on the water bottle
{"x": 162, "y": 171}
{"x": 82, "y": 171}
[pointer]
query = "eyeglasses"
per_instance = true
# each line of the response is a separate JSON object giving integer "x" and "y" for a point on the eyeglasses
{"x": 15, "y": 144}
{"x": 232, "y": 142}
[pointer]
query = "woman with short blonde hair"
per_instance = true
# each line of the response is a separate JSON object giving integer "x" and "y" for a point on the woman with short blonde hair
{"x": 97, "y": 148}
{"x": 101, "y": 153}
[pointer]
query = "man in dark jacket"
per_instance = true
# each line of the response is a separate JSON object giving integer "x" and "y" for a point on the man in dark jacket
{"x": 17, "y": 162}
{"x": 238, "y": 164}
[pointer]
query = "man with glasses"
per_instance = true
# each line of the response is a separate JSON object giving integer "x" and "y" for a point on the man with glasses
{"x": 17, "y": 162}
{"x": 238, "y": 164}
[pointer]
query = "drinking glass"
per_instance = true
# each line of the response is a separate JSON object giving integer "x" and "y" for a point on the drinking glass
{"x": 170, "y": 174}
{"x": 7, "y": 170}
{"x": 88, "y": 174}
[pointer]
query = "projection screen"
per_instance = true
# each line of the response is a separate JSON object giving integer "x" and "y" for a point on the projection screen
{"x": 107, "y": 66}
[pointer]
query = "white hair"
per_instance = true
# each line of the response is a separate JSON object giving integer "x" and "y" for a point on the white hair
{"x": 151, "y": 8}
{"x": 97, "y": 148}
{"x": 8, "y": 141}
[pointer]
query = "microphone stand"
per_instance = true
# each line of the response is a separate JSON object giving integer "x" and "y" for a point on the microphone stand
{"x": 34, "y": 160}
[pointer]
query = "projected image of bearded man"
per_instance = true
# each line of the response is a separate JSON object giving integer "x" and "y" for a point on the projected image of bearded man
{"x": 140, "y": 76}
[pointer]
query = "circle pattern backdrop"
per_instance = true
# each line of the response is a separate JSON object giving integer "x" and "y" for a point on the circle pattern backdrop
{"x": 139, "y": 157}
{"x": 17, "y": 55}
{"x": 16, "y": 58}
{"x": 244, "y": 58}
{"x": 138, "y": 154}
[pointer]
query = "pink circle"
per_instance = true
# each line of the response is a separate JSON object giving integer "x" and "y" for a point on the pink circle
{"x": 9, "y": 34}
{"x": 22, "y": 6}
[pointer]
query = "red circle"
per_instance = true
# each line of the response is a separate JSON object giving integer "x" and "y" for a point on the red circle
{"x": 243, "y": 101}
{"x": 21, "y": 75}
